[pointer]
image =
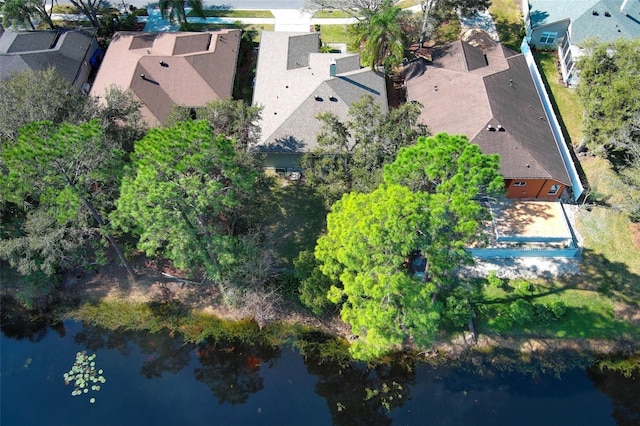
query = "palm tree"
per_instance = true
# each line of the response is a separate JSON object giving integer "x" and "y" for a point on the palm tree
{"x": 174, "y": 10}
{"x": 380, "y": 38}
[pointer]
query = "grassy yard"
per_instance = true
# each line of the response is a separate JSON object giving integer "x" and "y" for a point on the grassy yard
{"x": 506, "y": 14}
{"x": 589, "y": 313}
{"x": 296, "y": 218}
{"x": 232, "y": 13}
{"x": 331, "y": 14}
{"x": 403, "y": 4}
{"x": 251, "y": 27}
{"x": 564, "y": 99}
{"x": 336, "y": 34}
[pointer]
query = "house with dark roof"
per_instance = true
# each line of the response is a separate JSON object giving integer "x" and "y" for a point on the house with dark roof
{"x": 565, "y": 25}
{"x": 485, "y": 91}
{"x": 167, "y": 69}
{"x": 295, "y": 82}
{"x": 68, "y": 51}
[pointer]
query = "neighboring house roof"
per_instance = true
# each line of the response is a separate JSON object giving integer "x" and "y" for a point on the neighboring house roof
{"x": 545, "y": 12}
{"x": 461, "y": 97}
{"x": 623, "y": 20}
{"x": 294, "y": 84}
{"x": 64, "y": 50}
{"x": 610, "y": 23}
{"x": 165, "y": 69}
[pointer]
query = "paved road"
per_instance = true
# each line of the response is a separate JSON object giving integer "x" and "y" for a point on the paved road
{"x": 235, "y": 4}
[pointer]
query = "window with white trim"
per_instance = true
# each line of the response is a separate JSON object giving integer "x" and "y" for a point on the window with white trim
{"x": 519, "y": 183}
{"x": 553, "y": 190}
{"x": 548, "y": 37}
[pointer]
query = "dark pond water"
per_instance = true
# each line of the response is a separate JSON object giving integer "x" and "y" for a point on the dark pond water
{"x": 154, "y": 379}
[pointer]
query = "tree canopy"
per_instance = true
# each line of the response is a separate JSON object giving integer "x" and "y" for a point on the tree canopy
{"x": 456, "y": 173}
{"x": 609, "y": 88}
{"x": 427, "y": 208}
{"x": 446, "y": 164}
{"x": 31, "y": 96}
{"x": 380, "y": 36}
{"x": 182, "y": 195}
{"x": 369, "y": 237}
{"x": 350, "y": 155}
{"x": 232, "y": 118}
{"x": 22, "y": 12}
{"x": 70, "y": 174}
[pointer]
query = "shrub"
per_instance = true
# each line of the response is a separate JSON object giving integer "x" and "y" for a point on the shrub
{"x": 494, "y": 280}
{"x": 543, "y": 314}
{"x": 557, "y": 308}
{"x": 522, "y": 312}
{"x": 458, "y": 311}
{"x": 522, "y": 286}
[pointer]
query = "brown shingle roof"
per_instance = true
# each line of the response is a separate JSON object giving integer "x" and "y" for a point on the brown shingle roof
{"x": 460, "y": 96}
{"x": 179, "y": 68}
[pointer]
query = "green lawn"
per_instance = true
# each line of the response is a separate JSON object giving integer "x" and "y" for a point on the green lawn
{"x": 331, "y": 14}
{"x": 564, "y": 99}
{"x": 506, "y": 14}
{"x": 253, "y": 27}
{"x": 590, "y": 313}
{"x": 403, "y": 4}
{"x": 336, "y": 34}
{"x": 296, "y": 218}
{"x": 232, "y": 13}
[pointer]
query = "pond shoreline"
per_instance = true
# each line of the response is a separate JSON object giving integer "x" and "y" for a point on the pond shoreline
{"x": 155, "y": 286}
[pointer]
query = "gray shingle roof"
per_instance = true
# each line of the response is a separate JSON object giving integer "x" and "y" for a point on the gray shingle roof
{"x": 618, "y": 24}
{"x": 623, "y": 20}
{"x": 499, "y": 94}
{"x": 291, "y": 73}
{"x": 64, "y": 50}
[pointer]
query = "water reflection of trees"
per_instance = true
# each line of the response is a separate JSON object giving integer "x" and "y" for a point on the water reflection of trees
{"x": 356, "y": 393}
{"x": 20, "y": 323}
{"x": 231, "y": 369}
{"x": 624, "y": 393}
{"x": 163, "y": 352}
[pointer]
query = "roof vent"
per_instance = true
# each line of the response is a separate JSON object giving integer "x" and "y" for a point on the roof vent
{"x": 435, "y": 88}
{"x": 500, "y": 128}
{"x": 595, "y": 13}
{"x": 333, "y": 99}
{"x": 164, "y": 64}
{"x": 318, "y": 98}
{"x": 607, "y": 14}
{"x": 143, "y": 76}
{"x": 491, "y": 128}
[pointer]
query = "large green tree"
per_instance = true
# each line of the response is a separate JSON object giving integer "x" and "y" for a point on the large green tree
{"x": 433, "y": 12}
{"x": 351, "y": 154}
{"x": 232, "y": 118}
{"x": 428, "y": 207}
{"x": 22, "y": 12}
{"x": 70, "y": 175}
{"x": 380, "y": 37}
{"x": 183, "y": 197}
{"x": 609, "y": 88}
{"x": 456, "y": 173}
{"x": 31, "y": 96}
{"x": 369, "y": 237}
